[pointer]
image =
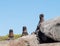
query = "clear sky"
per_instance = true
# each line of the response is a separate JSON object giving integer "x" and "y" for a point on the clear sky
{"x": 14, "y": 14}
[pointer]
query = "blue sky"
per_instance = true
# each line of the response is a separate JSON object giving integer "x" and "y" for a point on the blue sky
{"x": 14, "y": 14}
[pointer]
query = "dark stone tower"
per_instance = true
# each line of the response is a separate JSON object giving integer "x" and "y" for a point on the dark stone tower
{"x": 41, "y": 19}
{"x": 11, "y": 35}
{"x": 24, "y": 31}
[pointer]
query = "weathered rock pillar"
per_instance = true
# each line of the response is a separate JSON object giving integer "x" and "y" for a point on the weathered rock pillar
{"x": 11, "y": 35}
{"x": 24, "y": 31}
{"x": 42, "y": 34}
{"x": 41, "y": 19}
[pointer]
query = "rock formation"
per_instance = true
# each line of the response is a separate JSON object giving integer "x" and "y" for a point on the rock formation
{"x": 43, "y": 34}
{"x": 29, "y": 40}
{"x": 41, "y": 20}
{"x": 51, "y": 28}
{"x": 24, "y": 31}
{"x": 11, "y": 34}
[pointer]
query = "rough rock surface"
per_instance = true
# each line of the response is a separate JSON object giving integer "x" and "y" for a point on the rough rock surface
{"x": 30, "y": 40}
{"x": 52, "y": 28}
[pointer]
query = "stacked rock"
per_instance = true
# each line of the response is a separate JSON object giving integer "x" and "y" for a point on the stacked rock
{"x": 11, "y": 34}
{"x": 24, "y": 31}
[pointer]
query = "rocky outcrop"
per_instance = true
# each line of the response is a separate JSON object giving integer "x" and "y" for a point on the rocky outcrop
{"x": 30, "y": 40}
{"x": 51, "y": 28}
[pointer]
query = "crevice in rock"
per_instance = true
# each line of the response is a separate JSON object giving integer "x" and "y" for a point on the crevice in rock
{"x": 42, "y": 38}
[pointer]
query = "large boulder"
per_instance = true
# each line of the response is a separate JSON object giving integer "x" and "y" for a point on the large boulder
{"x": 51, "y": 28}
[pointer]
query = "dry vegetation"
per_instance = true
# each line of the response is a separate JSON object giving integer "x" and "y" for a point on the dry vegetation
{"x": 6, "y": 37}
